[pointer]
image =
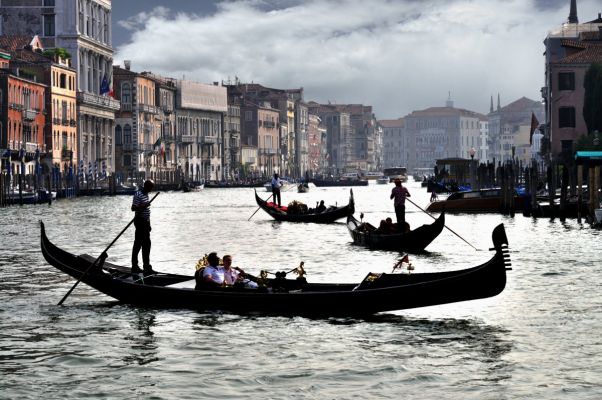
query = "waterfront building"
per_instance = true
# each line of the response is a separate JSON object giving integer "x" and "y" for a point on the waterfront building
{"x": 22, "y": 121}
{"x": 166, "y": 145}
{"x": 339, "y": 137}
{"x": 509, "y": 129}
{"x": 260, "y": 126}
{"x": 316, "y": 136}
{"x": 83, "y": 28}
{"x": 200, "y": 113}
{"x": 293, "y": 117}
{"x": 569, "y": 52}
{"x": 482, "y": 151}
{"x": 137, "y": 129}
{"x": 53, "y": 68}
{"x": 441, "y": 132}
{"x": 394, "y": 142}
{"x": 231, "y": 148}
{"x": 363, "y": 153}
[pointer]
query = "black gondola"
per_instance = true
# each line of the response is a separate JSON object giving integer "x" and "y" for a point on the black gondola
{"x": 331, "y": 214}
{"x": 414, "y": 241}
{"x": 385, "y": 292}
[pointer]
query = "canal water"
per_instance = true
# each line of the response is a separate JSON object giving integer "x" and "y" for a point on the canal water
{"x": 540, "y": 338}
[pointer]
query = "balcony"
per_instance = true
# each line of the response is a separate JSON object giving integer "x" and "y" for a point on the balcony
{"x": 188, "y": 138}
{"x": 126, "y": 107}
{"x": 72, "y": 122}
{"x": 98, "y": 101}
{"x": 167, "y": 110}
{"x": 56, "y": 121}
{"x": 268, "y": 152}
{"x": 127, "y": 147}
{"x": 29, "y": 115}
{"x": 66, "y": 154}
{"x": 145, "y": 147}
{"x": 168, "y": 138}
{"x": 32, "y": 147}
{"x": 208, "y": 139}
{"x": 65, "y": 122}
{"x": 147, "y": 108}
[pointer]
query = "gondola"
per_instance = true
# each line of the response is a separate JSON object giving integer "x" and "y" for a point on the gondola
{"x": 376, "y": 293}
{"x": 331, "y": 214}
{"x": 302, "y": 188}
{"x": 414, "y": 241}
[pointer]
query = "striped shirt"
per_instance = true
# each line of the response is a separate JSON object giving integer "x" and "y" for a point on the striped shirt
{"x": 141, "y": 198}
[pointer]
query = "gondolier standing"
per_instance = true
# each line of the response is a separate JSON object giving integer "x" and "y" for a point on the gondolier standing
{"x": 276, "y": 185}
{"x": 399, "y": 194}
{"x": 141, "y": 205}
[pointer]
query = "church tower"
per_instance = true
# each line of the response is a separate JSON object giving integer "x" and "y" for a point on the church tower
{"x": 573, "y": 13}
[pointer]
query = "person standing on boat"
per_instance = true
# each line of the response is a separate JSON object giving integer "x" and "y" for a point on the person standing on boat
{"x": 399, "y": 194}
{"x": 276, "y": 185}
{"x": 141, "y": 205}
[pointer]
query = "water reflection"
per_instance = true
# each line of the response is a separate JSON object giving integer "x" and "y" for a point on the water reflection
{"x": 142, "y": 339}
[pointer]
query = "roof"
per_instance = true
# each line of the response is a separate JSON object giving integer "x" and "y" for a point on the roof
{"x": 444, "y": 112}
{"x": 15, "y": 42}
{"x": 522, "y": 104}
{"x": 591, "y": 54}
{"x": 391, "y": 123}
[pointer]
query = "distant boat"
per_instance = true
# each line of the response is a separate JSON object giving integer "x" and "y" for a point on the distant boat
{"x": 302, "y": 188}
{"x": 475, "y": 201}
{"x": 383, "y": 180}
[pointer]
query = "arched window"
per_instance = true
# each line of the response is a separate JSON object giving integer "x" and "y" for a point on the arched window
{"x": 118, "y": 135}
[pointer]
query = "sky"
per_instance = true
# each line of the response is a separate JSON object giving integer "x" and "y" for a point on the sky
{"x": 395, "y": 55}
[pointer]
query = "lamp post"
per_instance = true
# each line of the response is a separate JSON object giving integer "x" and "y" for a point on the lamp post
{"x": 472, "y": 152}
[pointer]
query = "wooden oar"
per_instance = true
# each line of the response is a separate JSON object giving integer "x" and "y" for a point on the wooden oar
{"x": 287, "y": 189}
{"x": 102, "y": 255}
{"x": 448, "y": 228}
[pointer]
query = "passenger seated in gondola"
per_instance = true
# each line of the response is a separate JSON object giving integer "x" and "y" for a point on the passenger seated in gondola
{"x": 320, "y": 208}
{"x": 234, "y": 276}
{"x": 386, "y": 226}
{"x": 211, "y": 275}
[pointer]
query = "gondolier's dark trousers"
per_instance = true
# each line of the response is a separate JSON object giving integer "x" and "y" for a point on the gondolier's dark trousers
{"x": 276, "y": 194}
{"x": 142, "y": 241}
{"x": 400, "y": 213}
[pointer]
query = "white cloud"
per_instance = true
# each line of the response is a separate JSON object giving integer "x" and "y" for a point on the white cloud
{"x": 397, "y": 56}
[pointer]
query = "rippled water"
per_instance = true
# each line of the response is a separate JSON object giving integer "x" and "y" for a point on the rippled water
{"x": 540, "y": 338}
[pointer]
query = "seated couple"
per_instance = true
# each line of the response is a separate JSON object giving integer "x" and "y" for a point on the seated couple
{"x": 218, "y": 275}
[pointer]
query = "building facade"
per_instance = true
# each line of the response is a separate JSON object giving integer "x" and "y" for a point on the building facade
{"x": 83, "y": 28}
{"x": 200, "y": 113}
{"x": 394, "y": 143}
{"x": 569, "y": 51}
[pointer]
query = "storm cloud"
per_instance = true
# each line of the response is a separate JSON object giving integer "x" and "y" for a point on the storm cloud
{"x": 397, "y": 56}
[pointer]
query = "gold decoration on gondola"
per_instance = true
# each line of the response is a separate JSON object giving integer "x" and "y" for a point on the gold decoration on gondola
{"x": 204, "y": 261}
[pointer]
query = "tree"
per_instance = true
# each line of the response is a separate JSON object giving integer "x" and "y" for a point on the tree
{"x": 592, "y": 102}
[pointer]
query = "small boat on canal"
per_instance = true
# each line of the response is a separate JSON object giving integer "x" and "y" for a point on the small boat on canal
{"x": 475, "y": 201}
{"x": 299, "y": 214}
{"x": 303, "y": 187}
{"x": 413, "y": 241}
{"x": 378, "y": 292}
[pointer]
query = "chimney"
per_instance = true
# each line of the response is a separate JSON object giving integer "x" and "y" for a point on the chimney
{"x": 127, "y": 64}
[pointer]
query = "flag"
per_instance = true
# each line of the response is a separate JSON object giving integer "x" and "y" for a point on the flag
{"x": 104, "y": 86}
{"x": 534, "y": 125}
{"x": 111, "y": 91}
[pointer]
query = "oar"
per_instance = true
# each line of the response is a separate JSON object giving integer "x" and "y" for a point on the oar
{"x": 421, "y": 209}
{"x": 287, "y": 189}
{"x": 102, "y": 255}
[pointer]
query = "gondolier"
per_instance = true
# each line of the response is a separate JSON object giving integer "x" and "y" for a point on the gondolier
{"x": 276, "y": 185}
{"x": 142, "y": 240}
{"x": 399, "y": 194}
